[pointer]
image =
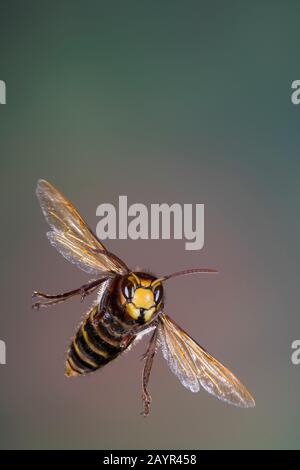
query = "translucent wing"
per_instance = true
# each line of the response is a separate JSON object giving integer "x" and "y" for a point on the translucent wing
{"x": 194, "y": 366}
{"x": 71, "y": 236}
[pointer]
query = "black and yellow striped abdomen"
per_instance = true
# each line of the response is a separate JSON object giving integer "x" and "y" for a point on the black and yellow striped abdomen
{"x": 97, "y": 342}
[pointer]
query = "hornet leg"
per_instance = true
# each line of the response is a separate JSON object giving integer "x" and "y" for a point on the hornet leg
{"x": 149, "y": 356}
{"x": 84, "y": 290}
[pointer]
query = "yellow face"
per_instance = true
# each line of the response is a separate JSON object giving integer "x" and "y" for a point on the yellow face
{"x": 141, "y": 296}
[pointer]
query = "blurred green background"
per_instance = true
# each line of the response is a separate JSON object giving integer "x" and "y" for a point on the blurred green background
{"x": 165, "y": 102}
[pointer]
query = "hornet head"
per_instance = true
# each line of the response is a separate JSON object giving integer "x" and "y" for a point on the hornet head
{"x": 141, "y": 296}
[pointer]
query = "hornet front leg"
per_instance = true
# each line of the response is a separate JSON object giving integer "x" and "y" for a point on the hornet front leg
{"x": 148, "y": 356}
{"x": 83, "y": 290}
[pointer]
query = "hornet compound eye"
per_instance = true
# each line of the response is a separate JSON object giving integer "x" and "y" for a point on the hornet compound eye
{"x": 127, "y": 289}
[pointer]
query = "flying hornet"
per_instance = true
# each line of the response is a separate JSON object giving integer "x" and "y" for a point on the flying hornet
{"x": 129, "y": 305}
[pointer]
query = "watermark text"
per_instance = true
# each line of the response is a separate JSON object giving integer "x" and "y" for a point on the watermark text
{"x": 2, "y": 352}
{"x": 295, "y": 96}
{"x": 295, "y": 357}
{"x": 163, "y": 221}
{"x": 2, "y": 92}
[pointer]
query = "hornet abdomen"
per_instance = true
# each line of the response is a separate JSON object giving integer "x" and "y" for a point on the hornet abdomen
{"x": 100, "y": 338}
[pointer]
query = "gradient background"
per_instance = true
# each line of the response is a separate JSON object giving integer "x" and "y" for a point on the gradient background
{"x": 165, "y": 102}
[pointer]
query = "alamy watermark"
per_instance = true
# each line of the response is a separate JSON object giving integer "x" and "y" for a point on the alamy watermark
{"x": 2, "y": 352}
{"x": 295, "y": 96}
{"x": 2, "y": 343}
{"x": 2, "y": 92}
{"x": 163, "y": 221}
{"x": 295, "y": 357}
